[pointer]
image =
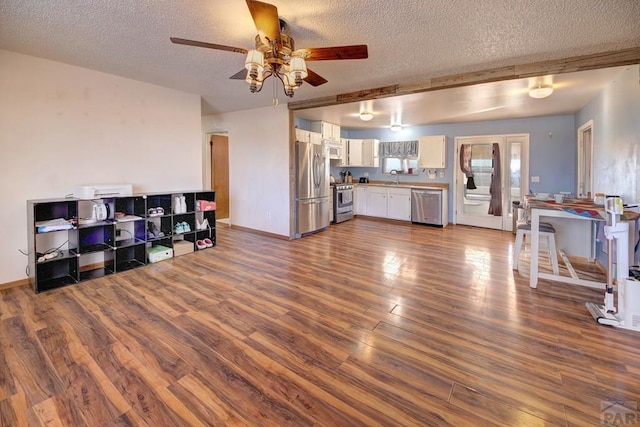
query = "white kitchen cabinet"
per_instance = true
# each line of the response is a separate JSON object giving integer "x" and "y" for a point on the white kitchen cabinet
{"x": 360, "y": 203}
{"x": 328, "y": 131}
{"x": 315, "y": 138}
{"x": 370, "y": 153}
{"x": 303, "y": 135}
{"x": 360, "y": 153}
{"x": 355, "y": 152}
{"x": 377, "y": 202}
{"x": 432, "y": 152}
{"x": 399, "y": 204}
{"x": 307, "y": 136}
{"x": 383, "y": 202}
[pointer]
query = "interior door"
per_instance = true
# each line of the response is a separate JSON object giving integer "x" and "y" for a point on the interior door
{"x": 472, "y": 204}
{"x": 585, "y": 160}
{"x": 220, "y": 174}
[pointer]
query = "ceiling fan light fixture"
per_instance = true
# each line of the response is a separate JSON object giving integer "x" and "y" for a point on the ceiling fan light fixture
{"x": 540, "y": 91}
{"x": 297, "y": 70}
{"x": 366, "y": 116}
{"x": 254, "y": 64}
{"x": 255, "y": 85}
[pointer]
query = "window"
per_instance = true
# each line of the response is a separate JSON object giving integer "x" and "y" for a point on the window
{"x": 399, "y": 164}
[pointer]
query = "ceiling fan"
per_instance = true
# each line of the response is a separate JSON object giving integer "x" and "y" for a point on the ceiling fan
{"x": 275, "y": 55}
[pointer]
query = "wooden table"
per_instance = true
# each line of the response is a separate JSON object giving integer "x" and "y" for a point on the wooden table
{"x": 571, "y": 208}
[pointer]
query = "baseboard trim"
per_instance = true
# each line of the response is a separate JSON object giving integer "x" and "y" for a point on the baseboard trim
{"x": 15, "y": 284}
{"x": 260, "y": 232}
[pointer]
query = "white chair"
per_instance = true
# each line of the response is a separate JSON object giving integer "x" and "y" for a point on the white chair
{"x": 546, "y": 230}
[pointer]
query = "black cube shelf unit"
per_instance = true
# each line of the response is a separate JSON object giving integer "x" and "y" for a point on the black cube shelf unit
{"x": 77, "y": 246}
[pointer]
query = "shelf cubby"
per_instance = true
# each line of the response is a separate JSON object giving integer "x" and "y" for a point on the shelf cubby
{"x": 94, "y": 238}
{"x": 130, "y": 232}
{"x": 46, "y": 211}
{"x": 57, "y": 272}
{"x": 130, "y": 257}
{"x": 155, "y": 201}
{"x": 134, "y": 205}
{"x": 163, "y": 223}
{"x": 96, "y": 264}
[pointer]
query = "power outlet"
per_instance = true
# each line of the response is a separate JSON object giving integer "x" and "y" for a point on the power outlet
{"x": 535, "y": 179}
{"x": 118, "y": 232}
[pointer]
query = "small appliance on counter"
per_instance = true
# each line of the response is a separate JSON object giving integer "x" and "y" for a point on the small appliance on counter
{"x": 364, "y": 180}
{"x": 347, "y": 178}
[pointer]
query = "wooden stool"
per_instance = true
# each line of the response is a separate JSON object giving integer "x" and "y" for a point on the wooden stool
{"x": 546, "y": 230}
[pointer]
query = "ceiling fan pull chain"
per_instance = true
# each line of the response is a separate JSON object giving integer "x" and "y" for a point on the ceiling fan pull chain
{"x": 275, "y": 94}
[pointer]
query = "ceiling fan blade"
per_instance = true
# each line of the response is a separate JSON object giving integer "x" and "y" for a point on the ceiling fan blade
{"x": 265, "y": 16}
{"x": 177, "y": 40}
{"x": 241, "y": 75}
{"x": 313, "y": 79}
{"x": 358, "y": 51}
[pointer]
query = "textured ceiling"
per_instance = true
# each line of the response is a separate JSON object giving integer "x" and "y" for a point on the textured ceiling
{"x": 409, "y": 40}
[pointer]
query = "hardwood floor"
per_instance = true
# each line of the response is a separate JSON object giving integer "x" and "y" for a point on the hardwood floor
{"x": 370, "y": 323}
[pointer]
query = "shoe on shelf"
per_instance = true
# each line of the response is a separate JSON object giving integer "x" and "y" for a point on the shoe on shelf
{"x": 179, "y": 228}
{"x": 153, "y": 231}
{"x": 204, "y": 225}
{"x": 160, "y": 210}
{"x": 186, "y": 227}
{"x": 208, "y": 242}
{"x": 152, "y": 212}
{"x": 201, "y": 244}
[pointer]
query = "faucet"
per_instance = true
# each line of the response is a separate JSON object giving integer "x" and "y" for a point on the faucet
{"x": 395, "y": 173}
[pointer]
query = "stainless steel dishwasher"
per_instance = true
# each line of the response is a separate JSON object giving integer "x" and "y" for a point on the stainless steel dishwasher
{"x": 426, "y": 206}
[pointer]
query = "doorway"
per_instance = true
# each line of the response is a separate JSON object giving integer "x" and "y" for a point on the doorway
{"x": 220, "y": 174}
{"x": 585, "y": 160}
{"x": 483, "y": 159}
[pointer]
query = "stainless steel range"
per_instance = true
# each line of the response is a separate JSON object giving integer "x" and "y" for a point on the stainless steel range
{"x": 342, "y": 202}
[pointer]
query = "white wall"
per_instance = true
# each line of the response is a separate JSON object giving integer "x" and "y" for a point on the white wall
{"x": 258, "y": 166}
{"x": 616, "y": 136}
{"x": 62, "y": 126}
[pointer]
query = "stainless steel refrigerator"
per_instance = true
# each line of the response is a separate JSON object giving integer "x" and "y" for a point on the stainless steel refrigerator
{"x": 312, "y": 187}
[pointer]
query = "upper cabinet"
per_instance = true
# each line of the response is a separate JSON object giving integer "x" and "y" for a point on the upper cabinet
{"x": 432, "y": 152}
{"x": 303, "y": 135}
{"x": 370, "y": 153}
{"x": 360, "y": 152}
{"x": 307, "y": 136}
{"x": 329, "y": 131}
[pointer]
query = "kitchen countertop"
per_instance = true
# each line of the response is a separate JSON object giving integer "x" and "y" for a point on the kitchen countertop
{"x": 425, "y": 185}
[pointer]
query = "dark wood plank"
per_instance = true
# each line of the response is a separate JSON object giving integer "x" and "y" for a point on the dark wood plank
{"x": 519, "y": 71}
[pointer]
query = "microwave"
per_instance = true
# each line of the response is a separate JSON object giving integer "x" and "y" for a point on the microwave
{"x": 335, "y": 150}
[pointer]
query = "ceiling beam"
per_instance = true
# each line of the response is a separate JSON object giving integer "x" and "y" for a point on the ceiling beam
{"x": 551, "y": 67}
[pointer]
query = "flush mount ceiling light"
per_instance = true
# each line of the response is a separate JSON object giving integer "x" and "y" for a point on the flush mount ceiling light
{"x": 365, "y": 116}
{"x": 396, "y": 127}
{"x": 540, "y": 91}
